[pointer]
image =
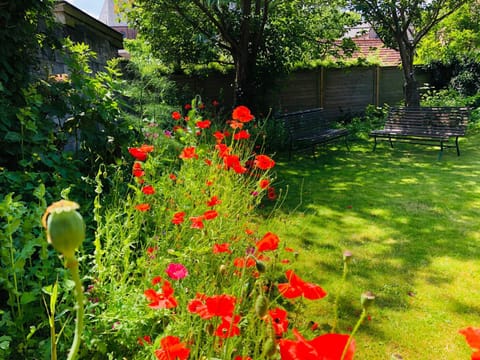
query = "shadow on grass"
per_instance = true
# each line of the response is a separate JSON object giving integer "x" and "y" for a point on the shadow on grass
{"x": 398, "y": 209}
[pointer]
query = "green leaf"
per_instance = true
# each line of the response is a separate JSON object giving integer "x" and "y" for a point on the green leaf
{"x": 12, "y": 137}
{"x": 5, "y": 342}
{"x": 27, "y": 298}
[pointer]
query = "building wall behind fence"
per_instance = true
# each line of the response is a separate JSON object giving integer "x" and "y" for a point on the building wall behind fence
{"x": 343, "y": 92}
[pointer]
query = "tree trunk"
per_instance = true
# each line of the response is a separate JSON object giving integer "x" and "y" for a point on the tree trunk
{"x": 245, "y": 60}
{"x": 244, "y": 89}
{"x": 410, "y": 86}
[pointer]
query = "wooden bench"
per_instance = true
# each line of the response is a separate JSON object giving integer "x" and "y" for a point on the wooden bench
{"x": 309, "y": 128}
{"x": 424, "y": 126}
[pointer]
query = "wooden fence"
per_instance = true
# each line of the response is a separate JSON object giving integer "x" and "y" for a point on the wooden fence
{"x": 342, "y": 91}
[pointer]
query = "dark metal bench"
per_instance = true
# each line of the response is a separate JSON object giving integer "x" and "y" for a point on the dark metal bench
{"x": 424, "y": 126}
{"x": 309, "y": 128}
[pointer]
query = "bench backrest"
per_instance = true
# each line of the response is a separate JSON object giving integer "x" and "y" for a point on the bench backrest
{"x": 312, "y": 120}
{"x": 448, "y": 120}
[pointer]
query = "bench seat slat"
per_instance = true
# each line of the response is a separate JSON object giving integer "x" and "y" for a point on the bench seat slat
{"x": 309, "y": 128}
{"x": 427, "y": 125}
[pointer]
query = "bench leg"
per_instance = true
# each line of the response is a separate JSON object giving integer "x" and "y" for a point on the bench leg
{"x": 375, "y": 143}
{"x": 458, "y": 148}
{"x": 391, "y": 142}
{"x": 441, "y": 150}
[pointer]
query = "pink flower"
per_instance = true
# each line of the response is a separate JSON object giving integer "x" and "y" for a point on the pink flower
{"x": 176, "y": 271}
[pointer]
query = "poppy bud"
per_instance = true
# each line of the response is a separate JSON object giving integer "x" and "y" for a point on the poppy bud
{"x": 269, "y": 348}
{"x": 367, "y": 299}
{"x": 222, "y": 269}
{"x": 260, "y": 265}
{"x": 261, "y": 306}
{"x": 347, "y": 256}
{"x": 65, "y": 227}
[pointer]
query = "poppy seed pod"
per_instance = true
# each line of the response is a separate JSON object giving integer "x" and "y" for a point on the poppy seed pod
{"x": 260, "y": 265}
{"x": 65, "y": 227}
{"x": 269, "y": 348}
{"x": 261, "y": 306}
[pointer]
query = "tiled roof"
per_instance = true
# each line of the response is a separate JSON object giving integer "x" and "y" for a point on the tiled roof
{"x": 374, "y": 47}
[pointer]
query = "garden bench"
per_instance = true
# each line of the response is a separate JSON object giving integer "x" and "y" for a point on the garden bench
{"x": 424, "y": 126}
{"x": 309, "y": 128}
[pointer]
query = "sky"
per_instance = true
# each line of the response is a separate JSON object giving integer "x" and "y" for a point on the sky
{"x": 91, "y": 7}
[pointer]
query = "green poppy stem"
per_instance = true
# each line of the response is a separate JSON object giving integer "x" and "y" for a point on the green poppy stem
{"x": 354, "y": 331}
{"x": 337, "y": 297}
{"x": 72, "y": 264}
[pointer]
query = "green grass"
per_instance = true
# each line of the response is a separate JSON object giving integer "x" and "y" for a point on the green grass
{"x": 412, "y": 223}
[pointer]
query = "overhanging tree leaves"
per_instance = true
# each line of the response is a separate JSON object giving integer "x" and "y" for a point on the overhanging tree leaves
{"x": 250, "y": 34}
{"x": 401, "y": 24}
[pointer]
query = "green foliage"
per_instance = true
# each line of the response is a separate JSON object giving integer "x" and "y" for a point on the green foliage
{"x": 26, "y": 267}
{"x": 149, "y": 91}
{"x": 457, "y": 37}
{"x": 261, "y": 39}
{"x": 402, "y": 25}
{"x": 374, "y": 118}
{"x": 68, "y": 126}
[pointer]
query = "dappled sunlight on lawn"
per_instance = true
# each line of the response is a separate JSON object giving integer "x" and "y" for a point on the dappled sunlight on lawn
{"x": 411, "y": 221}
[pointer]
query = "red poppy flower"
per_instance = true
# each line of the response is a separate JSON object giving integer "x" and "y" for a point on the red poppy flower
{"x": 221, "y": 305}
{"x": 233, "y": 162}
{"x": 178, "y": 218}
{"x": 223, "y": 150}
{"x": 264, "y": 183}
{"x": 197, "y": 222}
{"x": 210, "y": 214}
{"x": 278, "y": 318}
{"x": 296, "y": 287}
{"x": 204, "y": 124}
{"x": 221, "y": 248}
{"x": 172, "y": 177}
{"x": 146, "y": 148}
{"x": 209, "y": 306}
{"x": 137, "y": 170}
{"x": 142, "y": 207}
{"x": 208, "y": 162}
{"x": 327, "y": 347}
{"x": 235, "y": 124}
{"x": 239, "y": 357}
{"x": 145, "y": 339}
{"x": 472, "y": 336}
{"x": 242, "y": 134}
{"x": 214, "y": 201}
{"x": 163, "y": 299}
{"x": 271, "y": 193}
{"x": 148, "y": 190}
{"x": 172, "y": 349}
{"x": 242, "y": 113}
{"x": 269, "y": 242}
{"x": 138, "y": 154}
{"x": 215, "y": 103}
{"x": 198, "y": 306}
{"x": 228, "y": 327}
{"x": 176, "y": 115}
{"x": 187, "y": 107}
{"x": 263, "y": 162}
{"x": 242, "y": 262}
{"x": 188, "y": 153}
{"x": 219, "y": 136}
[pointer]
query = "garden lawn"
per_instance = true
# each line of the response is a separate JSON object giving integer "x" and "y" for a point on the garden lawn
{"x": 412, "y": 224}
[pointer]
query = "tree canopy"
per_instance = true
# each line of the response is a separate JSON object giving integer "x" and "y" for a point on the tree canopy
{"x": 255, "y": 36}
{"x": 402, "y": 24}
